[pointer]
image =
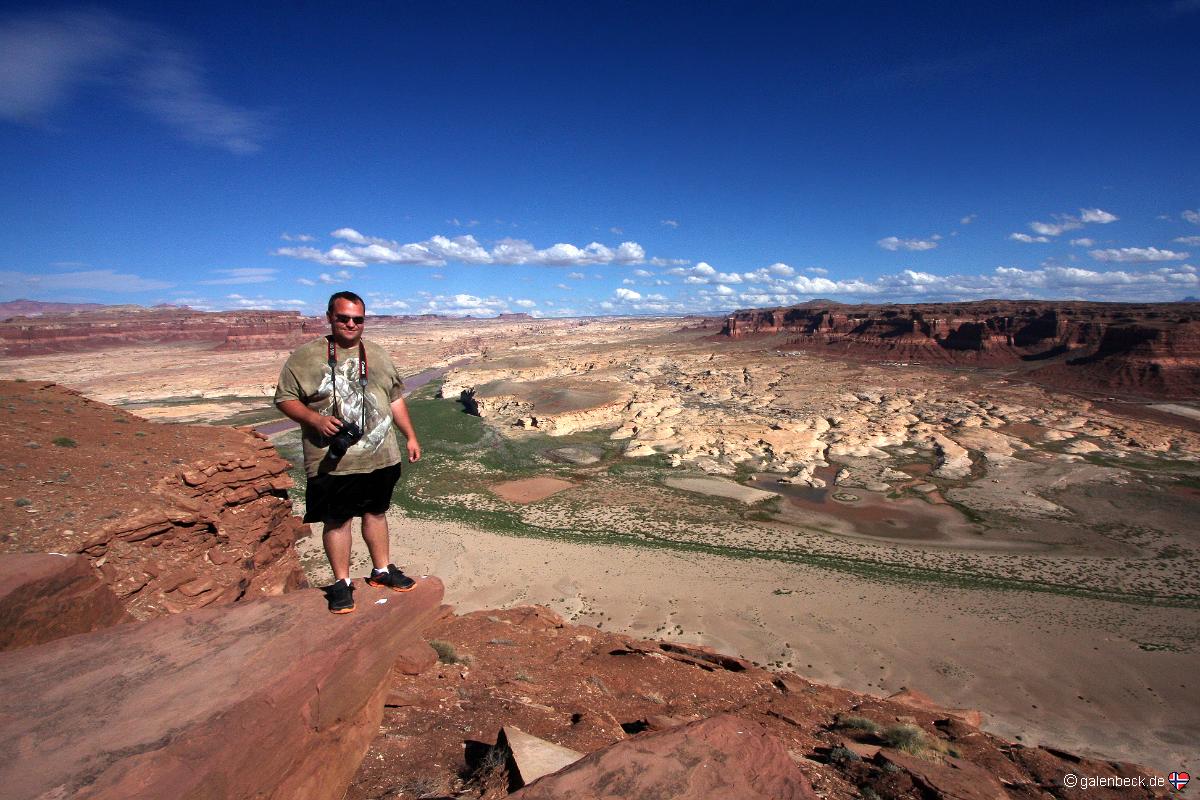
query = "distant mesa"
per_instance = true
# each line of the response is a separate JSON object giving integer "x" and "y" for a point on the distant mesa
{"x": 1141, "y": 348}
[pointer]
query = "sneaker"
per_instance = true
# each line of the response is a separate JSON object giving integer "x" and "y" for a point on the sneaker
{"x": 393, "y": 579}
{"x": 340, "y": 597}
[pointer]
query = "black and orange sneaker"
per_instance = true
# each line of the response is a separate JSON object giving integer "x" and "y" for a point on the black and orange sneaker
{"x": 341, "y": 597}
{"x": 393, "y": 579}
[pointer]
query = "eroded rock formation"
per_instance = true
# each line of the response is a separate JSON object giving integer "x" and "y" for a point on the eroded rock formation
{"x": 1148, "y": 348}
{"x": 173, "y": 517}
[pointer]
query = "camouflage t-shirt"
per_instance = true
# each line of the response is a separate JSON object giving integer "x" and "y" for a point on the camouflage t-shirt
{"x": 306, "y": 377}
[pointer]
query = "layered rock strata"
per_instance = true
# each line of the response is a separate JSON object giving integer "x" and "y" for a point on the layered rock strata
{"x": 103, "y": 328}
{"x": 271, "y": 699}
{"x": 1151, "y": 348}
{"x": 172, "y": 517}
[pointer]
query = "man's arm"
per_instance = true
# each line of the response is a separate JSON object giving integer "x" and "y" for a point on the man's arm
{"x": 326, "y": 426}
{"x": 404, "y": 423}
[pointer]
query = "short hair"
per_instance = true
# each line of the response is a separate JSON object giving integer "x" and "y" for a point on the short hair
{"x": 351, "y": 296}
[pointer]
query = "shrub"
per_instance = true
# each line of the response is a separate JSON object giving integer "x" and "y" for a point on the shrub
{"x": 843, "y": 755}
{"x": 852, "y": 722}
{"x": 64, "y": 441}
{"x": 445, "y": 651}
{"x": 21, "y": 502}
{"x": 908, "y": 738}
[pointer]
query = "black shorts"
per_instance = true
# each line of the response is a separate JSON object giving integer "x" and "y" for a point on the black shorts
{"x": 336, "y": 498}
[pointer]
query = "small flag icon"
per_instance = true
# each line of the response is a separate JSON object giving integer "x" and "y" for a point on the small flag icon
{"x": 1178, "y": 780}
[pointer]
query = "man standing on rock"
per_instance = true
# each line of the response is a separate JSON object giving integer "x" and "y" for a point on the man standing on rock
{"x": 345, "y": 393}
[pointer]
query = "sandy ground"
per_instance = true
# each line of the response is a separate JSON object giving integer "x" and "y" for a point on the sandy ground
{"x": 1044, "y": 668}
{"x": 529, "y": 490}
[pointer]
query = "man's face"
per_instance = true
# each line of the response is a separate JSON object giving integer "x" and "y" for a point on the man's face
{"x": 346, "y": 321}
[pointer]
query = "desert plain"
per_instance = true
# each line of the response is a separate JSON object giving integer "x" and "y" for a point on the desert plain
{"x": 868, "y": 523}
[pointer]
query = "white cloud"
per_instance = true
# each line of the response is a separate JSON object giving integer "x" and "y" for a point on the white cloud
{"x": 816, "y": 270}
{"x": 669, "y": 262}
{"x": 894, "y": 243}
{"x": 340, "y": 277}
{"x": 524, "y": 303}
{"x": 627, "y": 295}
{"x": 1055, "y": 228}
{"x": 1136, "y": 254}
{"x": 781, "y": 270}
{"x": 241, "y": 275}
{"x": 1191, "y": 216}
{"x": 17, "y": 284}
{"x": 643, "y": 273}
{"x": 1097, "y": 216}
{"x": 439, "y": 250}
{"x": 241, "y": 301}
{"x": 1025, "y": 237}
{"x": 1085, "y": 242}
{"x": 306, "y": 282}
{"x": 968, "y": 219}
{"x": 704, "y": 273}
{"x": 1067, "y": 222}
{"x": 615, "y": 231}
{"x": 1189, "y": 240}
{"x": 724, "y": 290}
{"x": 670, "y": 223}
{"x": 297, "y": 237}
{"x": 576, "y": 276}
{"x": 49, "y": 57}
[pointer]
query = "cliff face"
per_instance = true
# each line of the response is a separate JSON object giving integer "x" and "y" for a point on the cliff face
{"x": 109, "y": 327}
{"x": 1151, "y": 349}
{"x": 172, "y": 517}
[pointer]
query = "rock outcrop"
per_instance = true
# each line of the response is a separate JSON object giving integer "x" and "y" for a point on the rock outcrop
{"x": 713, "y": 759}
{"x": 271, "y": 699}
{"x": 653, "y": 715}
{"x": 173, "y": 517}
{"x": 44, "y": 597}
{"x": 1142, "y": 348}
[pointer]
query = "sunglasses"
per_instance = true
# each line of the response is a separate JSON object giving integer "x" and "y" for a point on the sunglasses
{"x": 346, "y": 318}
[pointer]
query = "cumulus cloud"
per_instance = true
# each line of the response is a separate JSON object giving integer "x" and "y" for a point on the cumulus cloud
{"x": 1067, "y": 222}
{"x": 1047, "y": 282}
{"x": 241, "y": 301}
{"x": 704, "y": 273}
{"x": 1136, "y": 254}
{"x": 643, "y": 273}
{"x": 524, "y": 303}
{"x": 306, "y": 282}
{"x": 241, "y": 275}
{"x": 968, "y": 219}
{"x": 297, "y": 237}
{"x": 627, "y": 294}
{"x": 438, "y": 251}
{"x": 49, "y": 57}
{"x": 339, "y": 277}
{"x": 1084, "y": 242}
{"x": 1189, "y": 240}
{"x": 1096, "y": 215}
{"x": 669, "y": 223}
{"x": 894, "y": 243}
{"x": 1026, "y": 238}
{"x": 576, "y": 276}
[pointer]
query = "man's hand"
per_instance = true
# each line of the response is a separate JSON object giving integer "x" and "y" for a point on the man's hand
{"x": 327, "y": 426}
{"x": 414, "y": 449}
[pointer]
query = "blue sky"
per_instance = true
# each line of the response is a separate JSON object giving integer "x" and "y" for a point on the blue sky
{"x": 598, "y": 158}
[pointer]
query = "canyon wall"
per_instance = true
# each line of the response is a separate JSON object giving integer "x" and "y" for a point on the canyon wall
{"x": 1148, "y": 348}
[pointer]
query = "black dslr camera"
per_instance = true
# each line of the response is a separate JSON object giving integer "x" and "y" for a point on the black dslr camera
{"x": 341, "y": 441}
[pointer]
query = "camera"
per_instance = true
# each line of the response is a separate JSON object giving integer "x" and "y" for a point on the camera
{"x": 341, "y": 441}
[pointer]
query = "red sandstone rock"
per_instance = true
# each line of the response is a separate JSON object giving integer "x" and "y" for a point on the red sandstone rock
{"x": 1145, "y": 348}
{"x": 915, "y": 699}
{"x": 951, "y": 779}
{"x": 272, "y": 699}
{"x": 719, "y": 758}
{"x": 174, "y": 517}
{"x": 46, "y": 597}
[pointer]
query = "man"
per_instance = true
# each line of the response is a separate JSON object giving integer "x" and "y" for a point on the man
{"x": 335, "y": 386}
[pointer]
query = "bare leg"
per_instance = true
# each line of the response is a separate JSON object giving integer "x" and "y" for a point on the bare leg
{"x": 375, "y": 534}
{"x": 336, "y": 538}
